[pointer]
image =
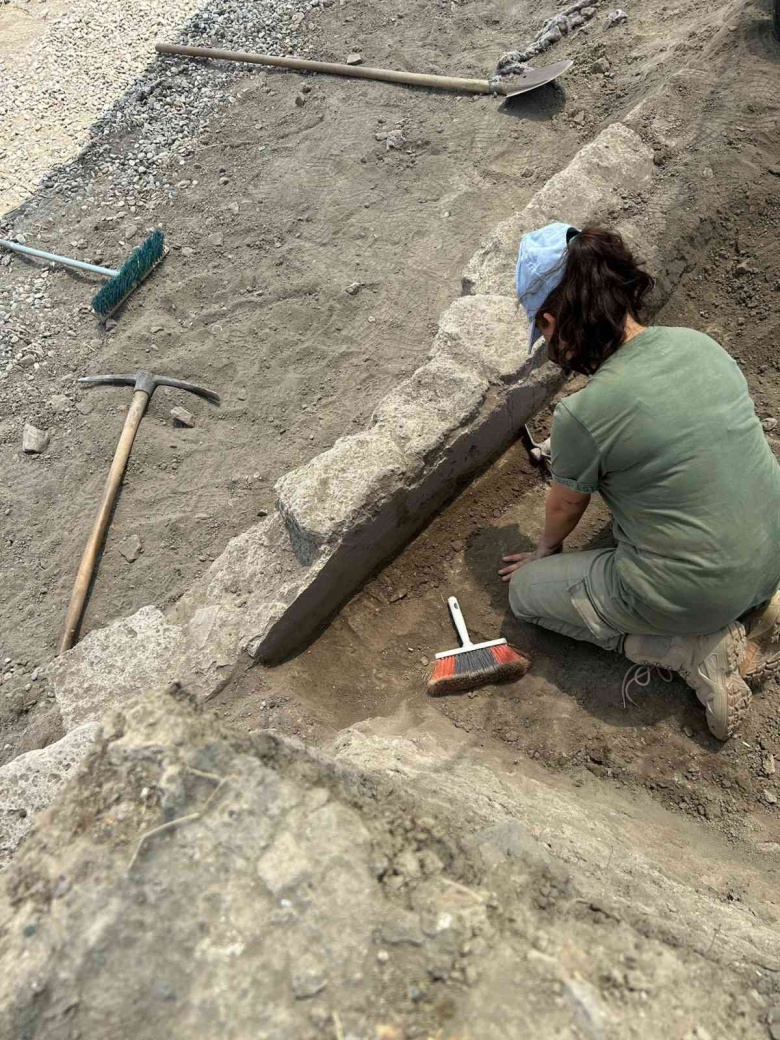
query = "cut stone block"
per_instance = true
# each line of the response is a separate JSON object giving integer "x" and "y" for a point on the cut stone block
{"x": 30, "y": 782}
{"x": 339, "y": 490}
{"x": 584, "y": 192}
{"x": 113, "y": 664}
{"x": 487, "y": 333}
{"x": 420, "y": 413}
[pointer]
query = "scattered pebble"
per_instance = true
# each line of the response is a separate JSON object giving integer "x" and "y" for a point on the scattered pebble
{"x": 354, "y": 58}
{"x": 181, "y": 417}
{"x": 770, "y": 797}
{"x": 616, "y": 17}
{"x": 353, "y": 289}
{"x": 131, "y": 548}
{"x": 308, "y": 983}
{"x": 216, "y": 239}
{"x": 395, "y": 139}
{"x": 59, "y": 403}
{"x": 34, "y": 441}
{"x": 768, "y": 425}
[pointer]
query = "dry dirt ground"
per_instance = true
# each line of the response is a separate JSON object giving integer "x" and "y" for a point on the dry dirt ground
{"x": 306, "y": 201}
{"x": 567, "y": 714}
{"x": 286, "y": 200}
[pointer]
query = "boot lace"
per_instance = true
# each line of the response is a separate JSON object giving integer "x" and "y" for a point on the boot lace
{"x": 640, "y": 675}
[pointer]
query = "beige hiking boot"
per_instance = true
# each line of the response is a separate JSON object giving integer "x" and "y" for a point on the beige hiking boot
{"x": 762, "y": 655}
{"x": 710, "y": 666}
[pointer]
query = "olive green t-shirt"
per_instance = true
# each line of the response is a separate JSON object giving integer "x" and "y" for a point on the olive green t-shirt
{"x": 667, "y": 433}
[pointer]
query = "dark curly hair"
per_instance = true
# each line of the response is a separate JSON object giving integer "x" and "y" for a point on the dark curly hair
{"x": 602, "y": 285}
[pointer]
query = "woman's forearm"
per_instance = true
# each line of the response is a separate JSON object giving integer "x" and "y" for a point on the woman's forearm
{"x": 563, "y": 512}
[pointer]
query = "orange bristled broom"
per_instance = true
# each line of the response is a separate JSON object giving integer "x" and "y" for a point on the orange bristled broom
{"x": 474, "y": 664}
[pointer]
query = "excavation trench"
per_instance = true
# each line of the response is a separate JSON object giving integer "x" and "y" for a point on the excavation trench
{"x": 566, "y": 714}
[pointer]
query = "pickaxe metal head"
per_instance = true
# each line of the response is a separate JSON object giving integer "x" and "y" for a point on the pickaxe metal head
{"x": 148, "y": 383}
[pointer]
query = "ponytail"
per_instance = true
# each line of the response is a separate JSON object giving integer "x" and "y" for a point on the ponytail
{"x": 602, "y": 286}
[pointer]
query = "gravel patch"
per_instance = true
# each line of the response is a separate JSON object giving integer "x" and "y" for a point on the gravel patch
{"x": 56, "y": 110}
{"x": 62, "y": 71}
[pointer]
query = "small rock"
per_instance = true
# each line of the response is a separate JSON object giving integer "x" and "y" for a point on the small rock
{"x": 770, "y": 797}
{"x": 353, "y": 289}
{"x": 687, "y": 731}
{"x": 308, "y": 983}
{"x": 708, "y": 172}
{"x": 216, "y": 239}
{"x": 616, "y": 17}
{"x": 34, "y": 441}
{"x": 84, "y": 407}
{"x": 181, "y": 417}
{"x": 187, "y": 251}
{"x": 579, "y": 118}
{"x": 424, "y": 661}
{"x": 768, "y": 425}
{"x": 110, "y": 324}
{"x": 131, "y": 548}
{"x": 768, "y": 765}
{"x": 395, "y": 139}
{"x": 59, "y": 403}
{"x": 401, "y": 594}
{"x": 382, "y": 956}
{"x": 354, "y": 58}
{"x": 743, "y": 267}
{"x": 602, "y": 65}
{"x": 300, "y": 101}
{"x": 241, "y": 395}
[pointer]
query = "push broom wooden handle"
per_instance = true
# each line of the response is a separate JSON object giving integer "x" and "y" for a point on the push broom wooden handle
{"x": 87, "y": 566}
{"x": 417, "y": 79}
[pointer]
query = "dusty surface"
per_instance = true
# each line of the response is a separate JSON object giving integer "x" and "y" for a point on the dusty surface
{"x": 399, "y": 886}
{"x": 567, "y": 713}
{"x": 283, "y": 202}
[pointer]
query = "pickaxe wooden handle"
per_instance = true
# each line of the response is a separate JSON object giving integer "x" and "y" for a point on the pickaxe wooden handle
{"x": 145, "y": 384}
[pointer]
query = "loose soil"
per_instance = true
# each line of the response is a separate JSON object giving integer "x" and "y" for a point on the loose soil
{"x": 286, "y": 200}
{"x": 290, "y": 199}
{"x": 566, "y": 714}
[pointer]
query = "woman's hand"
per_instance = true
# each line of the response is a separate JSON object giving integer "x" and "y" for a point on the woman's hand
{"x": 518, "y": 560}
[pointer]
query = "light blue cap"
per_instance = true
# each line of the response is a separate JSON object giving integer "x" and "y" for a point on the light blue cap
{"x": 540, "y": 268}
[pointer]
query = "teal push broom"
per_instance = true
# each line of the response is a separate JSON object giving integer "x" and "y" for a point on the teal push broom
{"x": 138, "y": 266}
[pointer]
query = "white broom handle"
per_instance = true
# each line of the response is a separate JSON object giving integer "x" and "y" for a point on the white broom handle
{"x": 460, "y": 624}
{"x": 66, "y": 260}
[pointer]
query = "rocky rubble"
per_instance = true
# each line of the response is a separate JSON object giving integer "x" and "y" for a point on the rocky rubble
{"x": 193, "y": 880}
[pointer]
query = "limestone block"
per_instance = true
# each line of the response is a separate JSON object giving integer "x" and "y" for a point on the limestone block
{"x": 115, "y": 663}
{"x": 488, "y": 333}
{"x": 583, "y": 192}
{"x": 30, "y": 782}
{"x": 423, "y": 410}
{"x": 341, "y": 489}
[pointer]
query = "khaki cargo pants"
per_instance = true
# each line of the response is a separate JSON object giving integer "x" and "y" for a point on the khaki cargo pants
{"x": 561, "y": 592}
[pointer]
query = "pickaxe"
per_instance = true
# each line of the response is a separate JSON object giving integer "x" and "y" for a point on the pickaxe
{"x": 144, "y": 383}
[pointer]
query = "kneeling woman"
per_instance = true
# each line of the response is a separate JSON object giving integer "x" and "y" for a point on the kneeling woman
{"x": 666, "y": 432}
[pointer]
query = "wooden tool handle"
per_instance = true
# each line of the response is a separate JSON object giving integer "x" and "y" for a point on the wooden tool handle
{"x": 417, "y": 79}
{"x": 87, "y": 566}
